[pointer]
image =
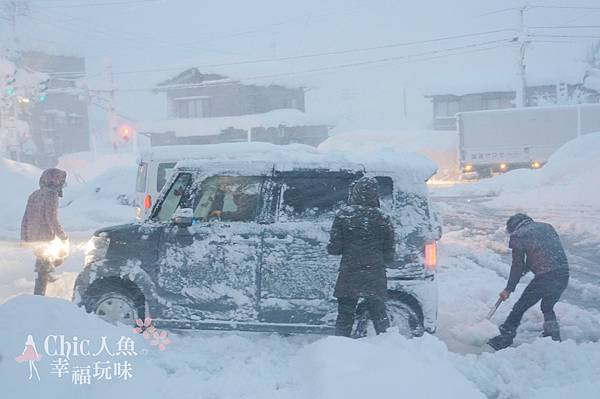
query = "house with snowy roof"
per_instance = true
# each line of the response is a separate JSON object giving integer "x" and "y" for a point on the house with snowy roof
{"x": 211, "y": 108}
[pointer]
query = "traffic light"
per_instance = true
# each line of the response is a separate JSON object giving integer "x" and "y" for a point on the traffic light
{"x": 125, "y": 132}
{"x": 9, "y": 84}
{"x": 42, "y": 88}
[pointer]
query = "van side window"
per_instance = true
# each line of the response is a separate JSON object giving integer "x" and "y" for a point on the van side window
{"x": 314, "y": 194}
{"x": 385, "y": 186}
{"x": 176, "y": 194}
{"x": 140, "y": 181}
{"x": 228, "y": 198}
{"x": 163, "y": 173}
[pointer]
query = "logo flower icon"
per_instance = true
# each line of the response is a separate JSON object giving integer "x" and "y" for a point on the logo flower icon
{"x": 161, "y": 339}
{"x": 144, "y": 327}
{"x": 151, "y": 334}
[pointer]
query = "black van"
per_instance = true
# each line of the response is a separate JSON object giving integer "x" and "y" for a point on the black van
{"x": 242, "y": 245}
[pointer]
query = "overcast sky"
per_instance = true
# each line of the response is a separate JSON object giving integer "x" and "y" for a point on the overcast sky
{"x": 147, "y": 41}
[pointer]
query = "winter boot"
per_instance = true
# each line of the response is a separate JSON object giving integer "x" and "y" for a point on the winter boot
{"x": 505, "y": 339}
{"x": 552, "y": 329}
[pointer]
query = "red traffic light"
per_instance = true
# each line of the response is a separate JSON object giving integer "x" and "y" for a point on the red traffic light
{"x": 125, "y": 131}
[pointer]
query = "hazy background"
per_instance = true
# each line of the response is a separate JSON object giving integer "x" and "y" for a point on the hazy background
{"x": 147, "y": 41}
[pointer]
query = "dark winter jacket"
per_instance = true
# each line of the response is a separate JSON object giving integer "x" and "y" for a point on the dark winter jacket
{"x": 364, "y": 236}
{"x": 536, "y": 247}
{"x": 40, "y": 221}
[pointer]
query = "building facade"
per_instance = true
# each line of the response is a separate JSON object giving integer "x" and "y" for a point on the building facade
{"x": 59, "y": 124}
{"x": 192, "y": 95}
{"x": 446, "y": 106}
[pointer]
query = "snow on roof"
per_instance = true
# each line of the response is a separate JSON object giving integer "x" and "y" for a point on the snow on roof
{"x": 192, "y": 76}
{"x": 212, "y": 126}
{"x": 408, "y": 170}
{"x": 592, "y": 79}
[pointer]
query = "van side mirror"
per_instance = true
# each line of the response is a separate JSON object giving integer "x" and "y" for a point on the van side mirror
{"x": 183, "y": 217}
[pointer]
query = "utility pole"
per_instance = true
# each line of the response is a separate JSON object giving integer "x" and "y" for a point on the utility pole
{"x": 523, "y": 41}
{"x": 10, "y": 10}
{"x": 112, "y": 114}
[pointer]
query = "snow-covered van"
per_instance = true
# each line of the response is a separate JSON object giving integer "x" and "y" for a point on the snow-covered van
{"x": 154, "y": 169}
{"x": 241, "y": 244}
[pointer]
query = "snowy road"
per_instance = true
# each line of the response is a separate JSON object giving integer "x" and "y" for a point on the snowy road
{"x": 473, "y": 269}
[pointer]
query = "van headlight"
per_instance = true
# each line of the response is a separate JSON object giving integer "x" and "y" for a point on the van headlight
{"x": 96, "y": 248}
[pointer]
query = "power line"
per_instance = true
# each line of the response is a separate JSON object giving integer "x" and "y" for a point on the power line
{"x": 92, "y": 4}
{"x": 566, "y": 27}
{"x": 313, "y": 55}
{"x": 434, "y": 54}
{"x": 565, "y": 7}
{"x": 568, "y": 36}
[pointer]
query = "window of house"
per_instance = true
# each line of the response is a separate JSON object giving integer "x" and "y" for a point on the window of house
{"x": 188, "y": 108}
{"x": 445, "y": 109}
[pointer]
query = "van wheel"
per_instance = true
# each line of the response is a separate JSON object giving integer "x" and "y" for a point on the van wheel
{"x": 403, "y": 318}
{"x": 116, "y": 308}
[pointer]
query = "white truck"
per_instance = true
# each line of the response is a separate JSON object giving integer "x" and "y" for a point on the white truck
{"x": 497, "y": 141}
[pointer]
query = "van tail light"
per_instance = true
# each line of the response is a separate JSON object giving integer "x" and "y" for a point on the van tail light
{"x": 431, "y": 255}
{"x": 148, "y": 201}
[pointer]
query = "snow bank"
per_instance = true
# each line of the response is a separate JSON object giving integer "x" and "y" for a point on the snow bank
{"x": 84, "y": 166}
{"x": 570, "y": 177}
{"x": 439, "y": 146}
{"x": 542, "y": 369}
{"x": 90, "y": 198}
{"x": 251, "y": 365}
{"x": 225, "y": 365}
{"x": 383, "y": 366}
{"x": 18, "y": 180}
{"x": 103, "y": 200}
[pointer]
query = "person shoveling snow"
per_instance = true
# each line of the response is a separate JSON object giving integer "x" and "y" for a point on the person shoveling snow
{"x": 536, "y": 247}
{"x": 41, "y": 230}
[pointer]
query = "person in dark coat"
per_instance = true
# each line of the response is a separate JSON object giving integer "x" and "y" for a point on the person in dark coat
{"x": 40, "y": 224}
{"x": 364, "y": 236}
{"x": 535, "y": 247}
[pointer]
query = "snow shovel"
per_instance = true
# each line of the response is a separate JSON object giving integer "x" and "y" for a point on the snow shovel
{"x": 493, "y": 310}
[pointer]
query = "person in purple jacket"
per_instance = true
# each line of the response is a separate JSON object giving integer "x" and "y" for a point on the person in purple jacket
{"x": 536, "y": 247}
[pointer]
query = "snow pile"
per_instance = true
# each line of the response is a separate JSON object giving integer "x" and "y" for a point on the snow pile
{"x": 543, "y": 369}
{"x": 226, "y": 365}
{"x": 384, "y": 366}
{"x": 569, "y": 178}
{"x": 84, "y": 166}
{"x": 439, "y": 146}
{"x": 592, "y": 79}
{"x": 18, "y": 180}
{"x": 104, "y": 200}
{"x": 86, "y": 204}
